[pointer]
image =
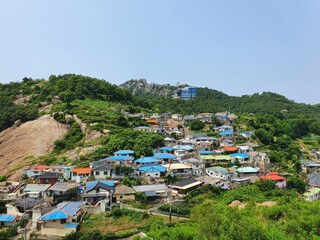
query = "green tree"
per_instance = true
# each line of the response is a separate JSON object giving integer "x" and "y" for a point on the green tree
{"x": 297, "y": 183}
{"x": 196, "y": 125}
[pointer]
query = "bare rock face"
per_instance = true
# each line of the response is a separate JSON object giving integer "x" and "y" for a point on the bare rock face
{"x": 22, "y": 100}
{"x": 46, "y": 108}
{"x": 68, "y": 118}
{"x": 56, "y": 99}
{"x": 76, "y": 153}
{"x": 93, "y": 135}
{"x": 33, "y": 138}
{"x": 17, "y": 123}
{"x": 82, "y": 125}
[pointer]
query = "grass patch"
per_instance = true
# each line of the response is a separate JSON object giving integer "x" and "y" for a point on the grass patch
{"x": 119, "y": 221}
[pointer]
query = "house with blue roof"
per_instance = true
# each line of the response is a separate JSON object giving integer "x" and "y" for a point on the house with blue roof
{"x": 143, "y": 128}
{"x": 155, "y": 171}
{"x": 8, "y": 220}
{"x": 226, "y": 134}
{"x": 62, "y": 220}
{"x": 225, "y": 128}
{"x": 122, "y": 160}
{"x": 242, "y": 158}
{"x": 98, "y": 194}
{"x": 166, "y": 150}
{"x": 147, "y": 161}
{"x": 165, "y": 157}
{"x": 128, "y": 153}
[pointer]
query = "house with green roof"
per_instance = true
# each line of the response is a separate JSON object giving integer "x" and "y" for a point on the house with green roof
{"x": 218, "y": 172}
{"x": 312, "y": 194}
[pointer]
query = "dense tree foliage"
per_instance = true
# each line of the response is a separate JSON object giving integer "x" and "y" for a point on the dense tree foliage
{"x": 142, "y": 143}
{"x": 196, "y": 125}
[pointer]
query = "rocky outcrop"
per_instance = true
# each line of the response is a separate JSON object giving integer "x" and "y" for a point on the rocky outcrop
{"x": 82, "y": 125}
{"x": 141, "y": 86}
{"x": 34, "y": 138}
{"x": 93, "y": 135}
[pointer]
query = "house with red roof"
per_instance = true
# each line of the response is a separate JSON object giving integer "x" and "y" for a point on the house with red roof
{"x": 80, "y": 174}
{"x": 274, "y": 176}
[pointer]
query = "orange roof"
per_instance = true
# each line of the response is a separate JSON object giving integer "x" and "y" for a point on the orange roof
{"x": 273, "y": 173}
{"x": 82, "y": 170}
{"x": 152, "y": 121}
{"x": 230, "y": 149}
{"x": 41, "y": 167}
{"x": 272, "y": 177}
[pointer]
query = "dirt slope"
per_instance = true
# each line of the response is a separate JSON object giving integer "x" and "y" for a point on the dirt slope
{"x": 33, "y": 138}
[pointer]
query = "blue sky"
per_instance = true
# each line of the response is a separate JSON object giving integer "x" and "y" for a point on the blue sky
{"x": 238, "y": 47}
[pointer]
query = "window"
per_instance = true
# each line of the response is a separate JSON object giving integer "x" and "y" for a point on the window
{"x": 97, "y": 173}
{"x": 62, "y": 221}
{"x": 106, "y": 173}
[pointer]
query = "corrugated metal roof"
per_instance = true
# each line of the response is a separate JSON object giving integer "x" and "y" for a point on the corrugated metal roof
{"x": 63, "y": 186}
{"x": 154, "y": 187}
{"x": 36, "y": 187}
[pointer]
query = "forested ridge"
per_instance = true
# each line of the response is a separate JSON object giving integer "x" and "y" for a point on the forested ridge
{"x": 210, "y": 100}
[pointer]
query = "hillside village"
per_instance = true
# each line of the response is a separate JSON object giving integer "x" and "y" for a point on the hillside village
{"x": 84, "y": 159}
{"x": 53, "y": 200}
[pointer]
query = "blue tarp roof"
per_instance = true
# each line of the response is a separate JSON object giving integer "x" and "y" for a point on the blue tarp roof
{"x": 206, "y": 152}
{"x": 164, "y": 156}
{"x": 124, "y": 152}
{"x": 7, "y": 218}
{"x": 146, "y": 160}
{"x": 239, "y": 155}
{"x": 62, "y": 211}
{"x": 225, "y": 133}
{"x": 119, "y": 158}
{"x": 155, "y": 168}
